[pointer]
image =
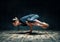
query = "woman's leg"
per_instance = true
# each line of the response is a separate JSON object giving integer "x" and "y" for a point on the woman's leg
{"x": 41, "y": 24}
{"x": 32, "y": 18}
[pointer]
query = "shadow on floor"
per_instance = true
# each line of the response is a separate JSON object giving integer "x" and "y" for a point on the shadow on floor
{"x": 33, "y": 33}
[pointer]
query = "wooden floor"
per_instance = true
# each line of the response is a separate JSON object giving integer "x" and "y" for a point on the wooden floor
{"x": 35, "y": 36}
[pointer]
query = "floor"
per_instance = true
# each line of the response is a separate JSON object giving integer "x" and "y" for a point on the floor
{"x": 35, "y": 36}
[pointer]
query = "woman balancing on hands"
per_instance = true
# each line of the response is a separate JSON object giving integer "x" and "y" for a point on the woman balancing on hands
{"x": 29, "y": 20}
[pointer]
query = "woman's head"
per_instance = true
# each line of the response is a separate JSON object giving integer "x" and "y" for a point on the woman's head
{"x": 16, "y": 21}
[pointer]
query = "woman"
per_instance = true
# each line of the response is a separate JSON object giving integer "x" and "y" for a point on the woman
{"x": 30, "y": 20}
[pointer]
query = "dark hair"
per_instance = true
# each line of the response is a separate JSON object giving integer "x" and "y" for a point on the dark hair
{"x": 15, "y": 19}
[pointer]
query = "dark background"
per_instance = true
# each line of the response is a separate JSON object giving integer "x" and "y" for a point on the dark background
{"x": 47, "y": 10}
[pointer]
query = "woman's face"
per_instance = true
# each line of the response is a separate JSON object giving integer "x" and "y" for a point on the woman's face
{"x": 16, "y": 23}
